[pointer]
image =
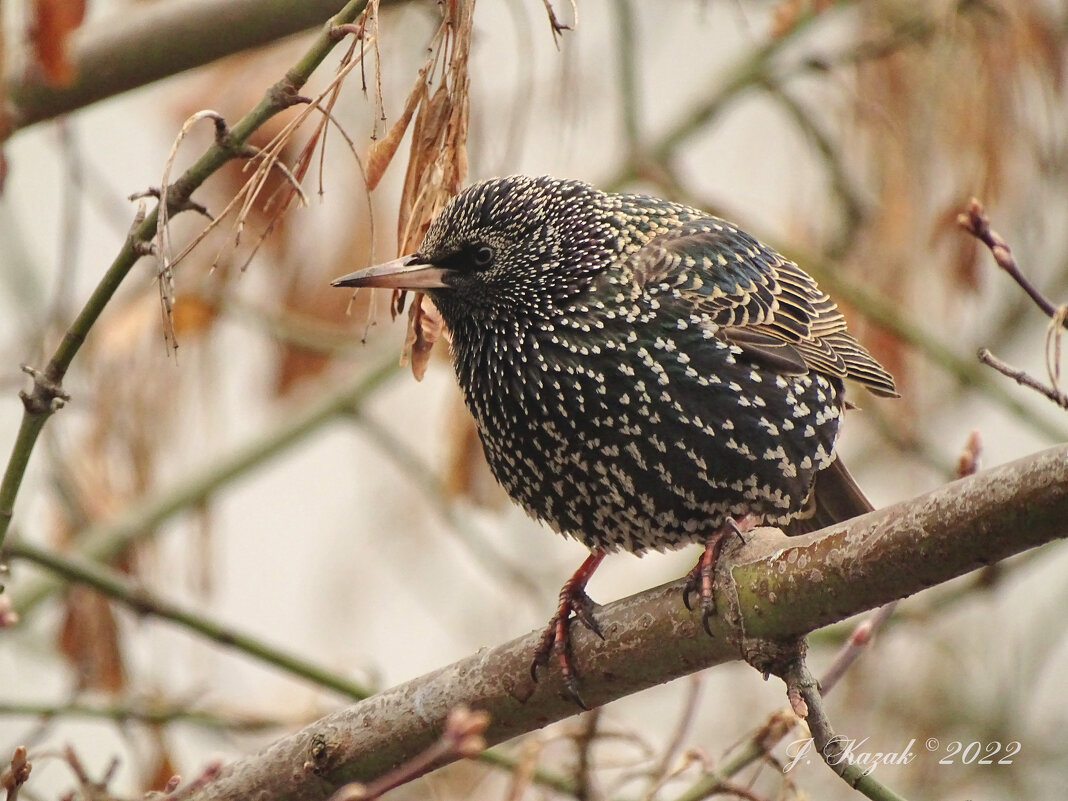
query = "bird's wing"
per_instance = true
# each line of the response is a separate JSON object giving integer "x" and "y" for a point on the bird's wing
{"x": 761, "y": 302}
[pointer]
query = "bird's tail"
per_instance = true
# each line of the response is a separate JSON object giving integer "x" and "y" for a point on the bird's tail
{"x": 835, "y": 498}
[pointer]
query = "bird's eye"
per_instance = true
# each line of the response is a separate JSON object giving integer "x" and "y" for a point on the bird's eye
{"x": 482, "y": 255}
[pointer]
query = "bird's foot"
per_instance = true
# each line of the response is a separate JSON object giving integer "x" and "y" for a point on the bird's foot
{"x": 556, "y": 638}
{"x": 699, "y": 579}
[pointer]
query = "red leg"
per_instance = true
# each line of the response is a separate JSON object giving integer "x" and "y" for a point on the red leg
{"x": 699, "y": 579}
{"x": 557, "y": 635}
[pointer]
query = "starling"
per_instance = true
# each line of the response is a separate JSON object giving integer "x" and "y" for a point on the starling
{"x": 643, "y": 375}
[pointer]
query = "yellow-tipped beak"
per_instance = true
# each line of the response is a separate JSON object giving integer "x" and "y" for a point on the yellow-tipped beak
{"x": 407, "y": 272}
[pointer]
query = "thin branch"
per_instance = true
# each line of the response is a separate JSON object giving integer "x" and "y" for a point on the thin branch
{"x": 890, "y": 318}
{"x": 665, "y": 765}
{"x": 584, "y": 738}
{"x": 480, "y": 547}
{"x": 1023, "y": 378}
{"x": 104, "y": 541}
{"x": 461, "y": 738}
{"x": 803, "y": 688}
{"x": 763, "y": 740}
{"x": 115, "y": 586}
{"x": 147, "y": 712}
{"x": 554, "y": 23}
{"x": 864, "y": 632}
{"x": 650, "y": 638}
{"x": 627, "y": 53}
{"x": 976, "y": 223}
{"x": 759, "y": 68}
{"x": 848, "y": 195}
{"x": 39, "y": 403}
{"x": 857, "y": 643}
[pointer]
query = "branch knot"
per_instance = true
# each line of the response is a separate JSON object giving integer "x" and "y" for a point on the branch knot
{"x": 47, "y": 395}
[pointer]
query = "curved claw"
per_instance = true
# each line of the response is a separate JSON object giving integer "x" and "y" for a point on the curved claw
{"x": 584, "y": 608}
{"x": 699, "y": 579}
{"x": 706, "y": 615}
{"x": 556, "y": 638}
{"x": 571, "y": 685}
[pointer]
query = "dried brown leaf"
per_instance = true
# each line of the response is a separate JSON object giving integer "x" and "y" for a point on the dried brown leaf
{"x": 789, "y": 13}
{"x": 89, "y": 639}
{"x": 295, "y": 364}
{"x": 425, "y": 327}
{"x": 437, "y": 162}
{"x": 423, "y": 194}
{"x": 382, "y": 151}
{"x": 194, "y": 314}
{"x": 466, "y": 473}
{"x": 970, "y": 459}
{"x": 50, "y": 29}
{"x": 964, "y": 268}
{"x": 164, "y": 770}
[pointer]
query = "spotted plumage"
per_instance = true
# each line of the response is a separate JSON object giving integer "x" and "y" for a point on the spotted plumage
{"x": 640, "y": 372}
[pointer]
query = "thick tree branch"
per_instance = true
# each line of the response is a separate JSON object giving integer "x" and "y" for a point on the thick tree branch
{"x": 770, "y": 587}
{"x": 151, "y": 41}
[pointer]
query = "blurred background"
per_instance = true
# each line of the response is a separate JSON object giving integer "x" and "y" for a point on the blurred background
{"x": 280, "y": 473}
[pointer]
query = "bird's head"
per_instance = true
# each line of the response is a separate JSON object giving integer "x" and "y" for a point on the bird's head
{"x": 505, "y": 249}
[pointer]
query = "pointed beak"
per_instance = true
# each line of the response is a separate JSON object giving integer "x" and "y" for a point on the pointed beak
{"x": 407, "y": 272}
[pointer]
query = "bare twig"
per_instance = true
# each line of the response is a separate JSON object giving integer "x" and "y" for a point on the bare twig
{"x": 480, "y": 547}
{"x": 554, "y": 23}
{"x": 864, "y": 632}
{"x": 150, "y": 712}
{"x": 859, "y": 640}
{"x": 47, "y": 387}
{"x": 584, "y": 739}
{"x": 804, "y": 692}
{"x": 976, "y": 223}
{"x": 175, "y": 791}
{"x": 141, "y": 601}
{"x": 90, "y": 788}
{"x": 889, "y": 317}
{"x": 666, "y": 764}
{"x": 268, "y": 158}
{"x": 462, "y": 738}
{"x": 1023, "y": 378}
{"x": 165, "y": 273}
{"x": 104, "y": 541}
{"x": 187, "y": 204}
{"x": 146, "y": 42}
{"x": 16, "y": 773}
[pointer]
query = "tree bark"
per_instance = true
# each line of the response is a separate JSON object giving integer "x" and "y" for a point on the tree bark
{"x": 151, "y": 41}
{"x": 769, "y": 590}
